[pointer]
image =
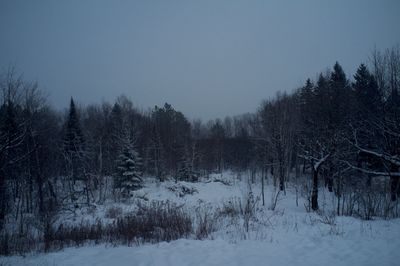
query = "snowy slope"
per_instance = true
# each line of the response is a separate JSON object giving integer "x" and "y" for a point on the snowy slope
{"x": 308, "y": 248}
{"x": 287, "y": 236}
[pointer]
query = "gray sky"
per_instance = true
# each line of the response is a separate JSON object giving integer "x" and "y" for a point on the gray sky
{"x": 207, "y": 58}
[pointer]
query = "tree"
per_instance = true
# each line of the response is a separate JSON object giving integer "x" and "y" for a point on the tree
{"x": 366, "y": 91}
{"x": 155, "y": 154}
{"x": 383, "y": 130}
{"x": 12, "y": 134}
{"x": 74, "y": 152}
{"x": 339, "y": 94}
{"x": 128, "y": 176}
{"x": 278, "y": 122}
{"x": 218, "y": 136}
{"x": 186, "y": 170}
{"x": 317, "y": 140}
{"x": 174, "y": 131}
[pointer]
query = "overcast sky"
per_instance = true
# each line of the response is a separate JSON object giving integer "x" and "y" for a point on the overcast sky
{"x": 207, "y": 58}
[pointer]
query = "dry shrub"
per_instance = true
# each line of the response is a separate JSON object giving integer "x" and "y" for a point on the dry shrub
{"x": 113, "y": 212}
{"x": 206, "y": 223}
{"x": 153, "y": 223}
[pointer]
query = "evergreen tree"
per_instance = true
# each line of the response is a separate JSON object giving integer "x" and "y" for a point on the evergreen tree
{"x": 366, "y": 91}
{"x": 306, "y": 100}
{"x": 361, "y": 80}
{"x": 338, "y": 77}
{"x": 128, "y": 176}
{"x": 174, "y": 131}
{"x": 339, "y": 100}
{"x": 74, "y": 145}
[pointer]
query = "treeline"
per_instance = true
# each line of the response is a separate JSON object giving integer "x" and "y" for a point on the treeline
{"x": 51, "y": 159}
{"x": 344, "y": 133}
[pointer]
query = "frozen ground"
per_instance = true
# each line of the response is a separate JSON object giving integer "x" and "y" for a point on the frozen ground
{"x": 287, "y": 236}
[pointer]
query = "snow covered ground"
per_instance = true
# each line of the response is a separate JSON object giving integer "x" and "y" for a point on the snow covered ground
{"x": 287, "y": 236}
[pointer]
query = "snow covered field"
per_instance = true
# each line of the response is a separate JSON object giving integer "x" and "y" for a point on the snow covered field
{"x": 287, "y": 236}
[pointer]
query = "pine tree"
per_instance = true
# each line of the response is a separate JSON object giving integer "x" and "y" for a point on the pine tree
{"x": 366, "y": 90}
{"x": 338, "y": 98}
{"x": 74, "y": 144}
{"x": 338, "y": 77}
{"x": 128, "y": 176}
{"x": 306, "y": 102}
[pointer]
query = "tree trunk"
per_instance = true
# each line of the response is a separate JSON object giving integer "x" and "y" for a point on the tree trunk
{"x": 314, "y": 194}
{"x": 394, "y": 187}
{"x": 330, "y": 184}
{"x": 281, "y": 177}
{"x": 2, "y": 199}
{"x": 394, "y": 184}
{"x": 262, "y": 186}
{"x": 39, "y": 182}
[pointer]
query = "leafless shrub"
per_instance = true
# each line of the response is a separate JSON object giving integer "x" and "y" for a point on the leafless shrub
{"x": 244, "y": 208}
{"x": 113, "y": 212}
{"x": 75, "y": 235}
{"x": 249, "y": 209}
{"x": 206, "y": 224}
{"x": 17, "y": 244}
{"x": 368, "y": 202}
{"x": 230, "y": 209}
{"x": 329, "y": 219}
{"x": 220, "y": 179}
{"x": 182, "y": 191}
{"x": 155, "y": 222}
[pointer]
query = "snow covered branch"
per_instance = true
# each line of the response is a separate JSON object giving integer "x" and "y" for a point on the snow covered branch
{"x": 372, "y": 172}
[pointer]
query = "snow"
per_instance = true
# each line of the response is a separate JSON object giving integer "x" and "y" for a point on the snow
{"x": 287, "y": 236}
{"x": 302, "y": 249}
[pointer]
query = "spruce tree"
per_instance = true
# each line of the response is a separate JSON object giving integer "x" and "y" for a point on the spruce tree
{"x": 74, "y": 144}
{"x": 366, "y": 91}
{"x": 128, "y": 176}
{"x": 339, "y": 102}
{"x": 338, "y": 77}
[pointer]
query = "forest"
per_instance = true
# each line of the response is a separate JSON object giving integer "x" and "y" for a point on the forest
{"x": 336, "y": 132}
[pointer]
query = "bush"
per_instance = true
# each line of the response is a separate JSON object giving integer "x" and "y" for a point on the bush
{"x": 181, "y": 190}
{"x": 113, "y": 212}
{"x": 153, "y": 223}
{"x": 230, "y": 209}
{"x": 244, "y": 208}
{"x": 17, "y": 244}
{"x": 206, "y": 224}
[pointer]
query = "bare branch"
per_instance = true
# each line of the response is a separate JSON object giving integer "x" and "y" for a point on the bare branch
{"x": 376, "y": 173}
